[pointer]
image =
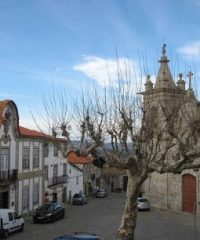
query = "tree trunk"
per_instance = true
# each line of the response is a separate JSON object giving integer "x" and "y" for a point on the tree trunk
{"x": 128, "y": 222}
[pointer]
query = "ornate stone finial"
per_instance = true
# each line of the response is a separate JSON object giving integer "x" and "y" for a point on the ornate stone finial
{"x": 148, "y": 84}
{"x": 6, "y": 122}
{"x": 164, "y": 49}
{"x": 148, "y": 78}
{"x": 181, "y": 82}
{"x": 180, "y": 75}
{"x": 189, "y": 75}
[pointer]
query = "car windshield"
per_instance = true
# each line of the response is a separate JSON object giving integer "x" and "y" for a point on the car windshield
{"x": 77, "y": 195}
{"x": 142, "y": 200}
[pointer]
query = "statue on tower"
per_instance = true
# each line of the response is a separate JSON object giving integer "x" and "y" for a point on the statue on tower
{"x": 164, "y": 49}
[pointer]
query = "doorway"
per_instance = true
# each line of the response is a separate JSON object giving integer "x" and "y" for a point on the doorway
{"x": 3, "y": 199}
{"x": 188, "y": 193}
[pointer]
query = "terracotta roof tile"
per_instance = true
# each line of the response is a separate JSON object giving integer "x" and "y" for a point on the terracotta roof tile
{"x": 25, "y": 132}
{"x": 73, "y": 158}
{"x": 31, "y": 133}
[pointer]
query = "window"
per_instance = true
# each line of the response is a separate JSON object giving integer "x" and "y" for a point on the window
{"x": 36, "y": 193}
{"x": 55, "y": 150}
{"x": 55, "y": 170}
{"x": 55, "y": 174}
{"x": 15, "y": 215}
{"x": 35, "y": 157}
{"x": 46, "y": 172}
{"x": 10, "y": 216}
{"x": 26, "y": 157}
{"x": 64, "y": 169}
{"x": 77, "y": 180}
{"x": 25, "y": 197}
{"x": 46, "y": 149}
{"x": 4, "y": 162}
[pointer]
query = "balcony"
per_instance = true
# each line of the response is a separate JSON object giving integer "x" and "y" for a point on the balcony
{"x": 8, "y": 176}
{"x": 57, "y": 180}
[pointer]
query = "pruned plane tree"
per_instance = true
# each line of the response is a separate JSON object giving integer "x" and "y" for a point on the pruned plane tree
{"x": 154, "y": 130}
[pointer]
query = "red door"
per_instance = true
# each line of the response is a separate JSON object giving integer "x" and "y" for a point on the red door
{"x": 188, "y": 193}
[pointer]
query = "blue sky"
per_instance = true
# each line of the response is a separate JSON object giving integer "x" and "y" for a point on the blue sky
{"x": 66, "y": 43}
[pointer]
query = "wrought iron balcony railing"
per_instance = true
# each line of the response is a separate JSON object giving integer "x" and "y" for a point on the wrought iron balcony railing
{"x": 7, "y": 176}
{"x": 57, "y": 180}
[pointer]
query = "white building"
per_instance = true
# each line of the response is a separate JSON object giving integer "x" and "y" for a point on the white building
{"x": 29, "y": 158}
{"x": 21, "y": 176}
{"x": 33, "y": 168}
{"x": 55, "y": 170}
{"x": 75, "y": 180}
{"x": 9, "y": 132}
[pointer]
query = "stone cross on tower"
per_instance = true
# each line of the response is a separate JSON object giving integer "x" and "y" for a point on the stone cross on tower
{"x": 189, "y": 75}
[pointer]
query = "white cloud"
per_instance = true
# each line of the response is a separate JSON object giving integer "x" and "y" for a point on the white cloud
{"x": 190, "y": 49}
{"x": 108, "y": 71}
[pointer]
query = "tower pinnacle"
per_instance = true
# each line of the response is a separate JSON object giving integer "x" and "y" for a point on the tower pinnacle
{"x": 189, "y": 75}
{"x": 164, "y": 78}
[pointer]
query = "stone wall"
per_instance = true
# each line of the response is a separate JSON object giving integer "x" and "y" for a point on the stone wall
{"x": 164, "y": 191}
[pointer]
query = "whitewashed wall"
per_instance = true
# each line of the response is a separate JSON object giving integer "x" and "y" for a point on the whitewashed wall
{"x": 75, "y": 181}
{"x": 31, "y": 177}
{"x": 11, "y": 145}
{"x": 29, "y": 183}
{"x": 31, "y": 143}
{"x": 50, "y": 161}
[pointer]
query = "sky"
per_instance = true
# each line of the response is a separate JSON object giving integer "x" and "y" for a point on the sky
{"x": 72, "y": 43}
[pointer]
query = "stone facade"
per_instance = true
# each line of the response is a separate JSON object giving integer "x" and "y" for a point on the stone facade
{"x": 165, "y": 191}
{"x": 171, "y": 191}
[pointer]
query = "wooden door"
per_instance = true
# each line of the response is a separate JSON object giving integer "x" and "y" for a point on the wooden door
{"x": 188, "y": 193}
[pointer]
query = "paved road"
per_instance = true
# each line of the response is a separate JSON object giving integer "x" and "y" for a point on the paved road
{"x": 102, "y": 216}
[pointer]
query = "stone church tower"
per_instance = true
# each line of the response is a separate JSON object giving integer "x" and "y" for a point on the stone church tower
{"x": 177, "y": 192}
{"x": 165, "y": 90}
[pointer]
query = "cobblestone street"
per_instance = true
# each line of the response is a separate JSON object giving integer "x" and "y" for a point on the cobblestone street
{"x": 102, "y": 216}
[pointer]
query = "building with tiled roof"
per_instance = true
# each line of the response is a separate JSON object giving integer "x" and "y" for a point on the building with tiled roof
{"x": 25, "y": 132}
{"x": 73, "y": 158}
{"x": 92, "y": 174}
{"x": 33, "y": 168}
{"x": 21, "y": 162}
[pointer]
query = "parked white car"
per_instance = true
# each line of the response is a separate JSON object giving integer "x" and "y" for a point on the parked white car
{"x": 10, "y": 222}
{"x": 143, "y": 204}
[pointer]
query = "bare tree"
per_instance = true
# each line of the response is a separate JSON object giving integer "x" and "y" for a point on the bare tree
{"x": 159, "y": 132}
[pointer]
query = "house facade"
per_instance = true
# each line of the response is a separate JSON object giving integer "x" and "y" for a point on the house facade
{"x": 96, "y": 176}
{"x": 55, "y": 171}
{"x": 9, "y": 131}
{"x": 30, "y": 164}
{"x": 114, "y": 179}
{"x": 177, "y": 192}
{"x": 33, "y": 168}
{"x": 74, "y": 180}
{"x": 90, "y": 173}
{"x": 21, "y": 185}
